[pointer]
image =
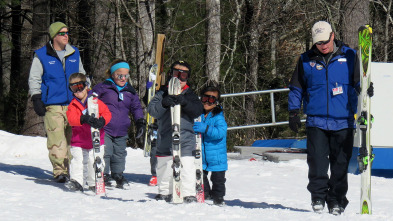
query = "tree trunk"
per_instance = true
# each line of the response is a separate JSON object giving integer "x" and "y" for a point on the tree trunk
{"x": 103, "y": 42}
{"x": 85, "y": 10}
{"x": 34, "y": 125}
{"x": 253, "y": 65}
{"x": 356, "y": 13}
{"x": 387, "y": 37}
{"x": 146, "y": 13}
{"x": 213, "y": 52}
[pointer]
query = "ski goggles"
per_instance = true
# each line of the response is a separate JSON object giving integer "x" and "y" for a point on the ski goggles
{"x": 208, "y": 99}
{"x": 324, "y": 42}
{"x": 78, "y": 86}
{"x": 121, "y": 76}
{"x": 181, "y": 74}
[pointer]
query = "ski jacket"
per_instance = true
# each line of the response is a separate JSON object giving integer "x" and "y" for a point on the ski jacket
{"x": 192, "y": 109}
{"x": 81, "y": 134}
{"x": 49, "y": 75}
{"x": 121, "y": 104}
{"x": 326, "y": 89}
{"x": 214, "y": 143}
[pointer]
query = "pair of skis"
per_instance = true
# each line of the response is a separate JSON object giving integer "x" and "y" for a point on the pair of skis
{"x": 366, "y": 156}
{"x": 174, "y": 88}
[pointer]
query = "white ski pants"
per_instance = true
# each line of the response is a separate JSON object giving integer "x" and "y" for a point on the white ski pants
{"x": 165, "y": 174}
{"x": 82, "y": 165}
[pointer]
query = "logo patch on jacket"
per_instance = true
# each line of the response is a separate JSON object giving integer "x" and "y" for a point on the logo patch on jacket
{"x": 312, "y": 64}
{"x": 72, "y": 60}
{"x": 52, "y": 62}
{"x": 319, "y": 67}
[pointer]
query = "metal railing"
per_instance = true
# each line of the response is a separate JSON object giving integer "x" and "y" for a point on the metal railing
{"x": 273, "y": 112}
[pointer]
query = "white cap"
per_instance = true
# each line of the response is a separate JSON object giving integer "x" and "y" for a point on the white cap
{"x": 321, "y": 31}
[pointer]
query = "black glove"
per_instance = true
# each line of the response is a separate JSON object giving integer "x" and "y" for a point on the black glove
{"x": 93, "y": 121}
{"x": 140, "y": 128}
{"x": 294, "y": 120}
{"x": 87, "y": 119}
{"x": 169, "y": 100}
{"x": 370, "y": 90}
{"x": 180, "y": 99}
{"x": 39, "y": 106}
{"x": 98, "y": 123}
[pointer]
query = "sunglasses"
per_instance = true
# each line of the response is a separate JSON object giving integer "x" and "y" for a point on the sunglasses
{"x": 209, "y": 99}
{"x": 62, "y": 33}
{"x": 120, "y": 76}
{"x": 324, "y": 42}
{"x": 78, "y": 86}
{"x": 181, "y": 74}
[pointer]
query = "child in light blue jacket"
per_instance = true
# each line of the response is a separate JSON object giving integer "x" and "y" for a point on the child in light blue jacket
{"x": 214, "y": 144}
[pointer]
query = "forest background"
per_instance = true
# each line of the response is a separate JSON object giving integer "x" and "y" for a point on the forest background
{"x": 245, "y": 45}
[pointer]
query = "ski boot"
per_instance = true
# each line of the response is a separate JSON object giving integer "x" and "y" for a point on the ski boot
{"x": 219, "y": 201}
{"x": 121, "y": 181}
{"x": 73, "y": 185}
{"x": 318, "y": 206}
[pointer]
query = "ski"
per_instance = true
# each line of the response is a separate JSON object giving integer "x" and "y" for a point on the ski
{"x": 92, "y": 106}
{"x": 175, "y": 89}
{"x": 155, "y": 78}
{"x": 200, "y": 193}
{"x": 364, "y": 119}
{"x": 149, "y": 136}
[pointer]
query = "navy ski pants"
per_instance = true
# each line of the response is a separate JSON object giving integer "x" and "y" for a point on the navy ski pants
{"x": 326, "y": 148}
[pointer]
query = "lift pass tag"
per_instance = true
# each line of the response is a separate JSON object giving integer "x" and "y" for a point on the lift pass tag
{"x": 337, "y": 90}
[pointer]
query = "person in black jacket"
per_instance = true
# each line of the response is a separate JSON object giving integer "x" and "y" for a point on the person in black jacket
{"x": 191, "y": 107}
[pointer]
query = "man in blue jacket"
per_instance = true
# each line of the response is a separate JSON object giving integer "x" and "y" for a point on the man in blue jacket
{"x": 48, "y": 86}
{"x": 326, "y": 80}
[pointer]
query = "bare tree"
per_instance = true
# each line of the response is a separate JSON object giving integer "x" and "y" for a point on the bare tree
{"x": 145, "y": 46}
{"x": 355, "y": 14}
{"x": 213, "y": 52}
{"x": 34, "y": 125}
{"x": 103, "y": 38}
{"x": 387, "y": 37}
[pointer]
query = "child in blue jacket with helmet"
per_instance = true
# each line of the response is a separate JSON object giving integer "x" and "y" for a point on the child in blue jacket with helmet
{"x": 213, "y": 128}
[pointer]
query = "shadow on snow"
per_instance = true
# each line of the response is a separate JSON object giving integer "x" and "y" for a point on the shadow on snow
{"x": 262, "y": 205}
{"x": 35, "y": 174}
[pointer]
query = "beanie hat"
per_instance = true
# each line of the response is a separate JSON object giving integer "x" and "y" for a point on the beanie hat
{"x": 182, "y": 63}
{"x": 321, "y": 31}
{"x": 54, "y": 28}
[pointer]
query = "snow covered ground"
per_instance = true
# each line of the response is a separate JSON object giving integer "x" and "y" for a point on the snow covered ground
{"x": 256, "y": 190}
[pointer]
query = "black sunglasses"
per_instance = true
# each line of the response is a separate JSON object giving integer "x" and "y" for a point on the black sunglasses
{"x": 78, "y": 86}
{"x": 208, "y": 99}
{"x": 324, "y": 42}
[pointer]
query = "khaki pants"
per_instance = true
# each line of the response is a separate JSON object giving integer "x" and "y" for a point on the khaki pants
{"x": 58, "y": 133}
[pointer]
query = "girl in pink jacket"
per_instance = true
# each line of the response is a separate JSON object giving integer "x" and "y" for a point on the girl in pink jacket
{"x": 81, "y": 167}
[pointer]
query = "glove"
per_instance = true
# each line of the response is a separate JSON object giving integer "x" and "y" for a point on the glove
{"x": 140, "y": 128}
{"x": 294, "y": 120}
{"x": 168, "y": 101}
{"x": 39, "y": 106}
{"x": 92, "y": 121}
{"x": 180, "y": 99}
{"x": 149, "y": 84}
{"x": 200, "y": 127}
{"x": 87, "y": 119}
{"x": 370, "y": 90}
{"x": 98, "y": 123}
